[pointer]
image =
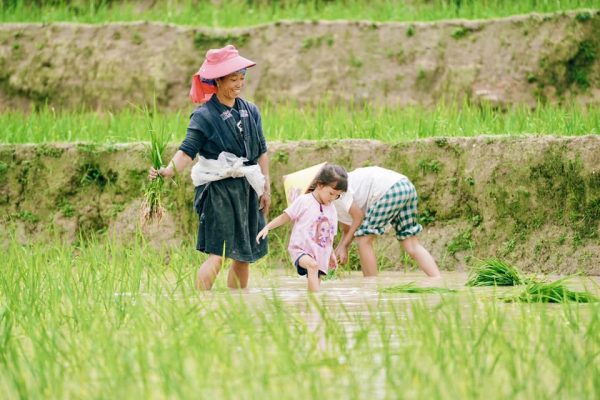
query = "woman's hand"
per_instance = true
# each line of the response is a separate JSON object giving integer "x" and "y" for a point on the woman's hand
{"x": 153, "y": 173}
{"x": 265, "y": 202}
{"x": 262, "y": 234}
{"x": 162, "y": 171}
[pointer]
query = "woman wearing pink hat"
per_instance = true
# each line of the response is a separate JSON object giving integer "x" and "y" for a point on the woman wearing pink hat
{"x": 232, "y": 177}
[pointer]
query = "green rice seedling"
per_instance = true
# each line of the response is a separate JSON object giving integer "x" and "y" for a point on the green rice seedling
{"x": 344, "y": 270}
{"x": 331, "y": 275}
{"x": 234, "y": 13}
{"x": 152, "y": 209}
{"x": 336, "y": 273}
{"x": 552, "y": 292}
{"x": 112, "y": 319}
{"x": 329, "y": 121}
{"x": 494, "y": 272}
{"x": 411, "y": 287}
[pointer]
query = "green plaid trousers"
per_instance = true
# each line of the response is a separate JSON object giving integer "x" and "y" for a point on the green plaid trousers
{"x": 398, "y": 207}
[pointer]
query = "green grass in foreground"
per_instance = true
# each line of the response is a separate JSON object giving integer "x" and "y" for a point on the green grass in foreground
{"x": 232, "y": 13}
{"x": 106, "y": 320}
{"x": 320, "y": 122}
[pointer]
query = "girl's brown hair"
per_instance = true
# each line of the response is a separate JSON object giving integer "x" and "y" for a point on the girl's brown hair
{"x": 330, "y": 175}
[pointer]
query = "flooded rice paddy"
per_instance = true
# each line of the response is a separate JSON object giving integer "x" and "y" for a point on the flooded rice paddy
{"x": 108, "y": 321}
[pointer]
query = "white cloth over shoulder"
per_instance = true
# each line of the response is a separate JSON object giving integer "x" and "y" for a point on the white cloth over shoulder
{"x": 227, "y": 165}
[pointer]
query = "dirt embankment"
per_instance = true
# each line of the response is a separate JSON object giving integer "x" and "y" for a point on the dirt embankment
{"x": 520, "y": 59}
{"x": 531, "y": 200}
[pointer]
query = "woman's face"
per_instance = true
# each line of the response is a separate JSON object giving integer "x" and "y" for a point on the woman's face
{"x": 230, "y": 86}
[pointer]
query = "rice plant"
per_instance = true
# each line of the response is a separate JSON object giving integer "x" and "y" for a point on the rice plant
{"x": 233, "y": 13}
{"x": 122, "y": 319}
{"x": 152, "y": 209}
{"x": 282, "y": 122}
{"x": 411, "y": 287}
{"x": 552, "y": 292}
{"x": 494, "y": 272}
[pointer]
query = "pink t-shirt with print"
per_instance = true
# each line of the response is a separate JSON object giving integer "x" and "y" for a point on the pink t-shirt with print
{"x": 315, "y": 226}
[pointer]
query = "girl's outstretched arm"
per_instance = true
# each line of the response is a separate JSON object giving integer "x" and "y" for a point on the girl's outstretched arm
{"x": 280, "y": 220}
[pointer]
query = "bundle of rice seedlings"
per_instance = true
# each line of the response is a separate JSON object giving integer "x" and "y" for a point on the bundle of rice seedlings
{"x": 411, "y": 287}
{"x": 338, "y": 272}
{"x": 494, "y": 272}
{"x": 331, "y": 275}
{"x": 552, "y": 292}
{"x": 152, "y": 209}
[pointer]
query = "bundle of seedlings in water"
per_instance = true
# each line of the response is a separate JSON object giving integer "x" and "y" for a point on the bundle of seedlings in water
{"x": 494, "y": 272}
{"x": 332, "y": 274}
{"x": 551, "y": 292}
{"x": 338, "y": 272}
{"x": 152, "y": 209}
{"x": 411, "y": 287}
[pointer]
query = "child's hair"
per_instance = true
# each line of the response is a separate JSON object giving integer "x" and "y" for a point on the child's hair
{"x": 330, "y": 175}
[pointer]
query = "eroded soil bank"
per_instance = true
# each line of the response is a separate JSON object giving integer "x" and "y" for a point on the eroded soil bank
{"x": 521, "y": 59}
{"x": 531, "y": 200}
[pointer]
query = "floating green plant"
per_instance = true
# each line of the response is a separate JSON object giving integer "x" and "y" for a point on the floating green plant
{"x": 494, "y": 272}
{"x": 411, "y": 287}
{"x": 552, "y": 292}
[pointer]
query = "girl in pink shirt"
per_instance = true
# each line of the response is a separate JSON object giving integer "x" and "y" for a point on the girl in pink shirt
{"x": 315, "y": 224}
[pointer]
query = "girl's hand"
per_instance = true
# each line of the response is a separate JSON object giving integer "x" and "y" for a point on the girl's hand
{"x": 262, "y": 234}
{"x": 333, "y": 261}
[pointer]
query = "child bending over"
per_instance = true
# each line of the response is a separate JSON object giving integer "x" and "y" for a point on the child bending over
{"x": 375, "y": 198}
{"x": 315, "y": 225}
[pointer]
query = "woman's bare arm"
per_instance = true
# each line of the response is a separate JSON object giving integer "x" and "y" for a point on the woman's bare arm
{"x": 179, "y": 162}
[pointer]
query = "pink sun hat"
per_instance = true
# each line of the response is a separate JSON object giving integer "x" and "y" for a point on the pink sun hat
{"x": 217, "y": 64}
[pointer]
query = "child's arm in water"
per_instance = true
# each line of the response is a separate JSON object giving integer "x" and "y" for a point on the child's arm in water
{"x": 277, "y": 222}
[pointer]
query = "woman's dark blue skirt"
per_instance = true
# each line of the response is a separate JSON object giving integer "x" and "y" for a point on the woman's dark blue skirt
{"x": 229, "y": 220}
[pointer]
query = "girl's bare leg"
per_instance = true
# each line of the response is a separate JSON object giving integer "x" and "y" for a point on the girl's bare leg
{"x": 311, "y": 266}
{"x": 238, "y": 275}
{"x": 366, "y": 253}
{"x": 208, "y": 271}
{"x": 420, "y": 254}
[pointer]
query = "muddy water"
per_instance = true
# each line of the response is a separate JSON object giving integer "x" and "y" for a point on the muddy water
{"x": 353, "y": 291}
{"x": 353, "y": 300}
{"x": 354, "y": 303}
